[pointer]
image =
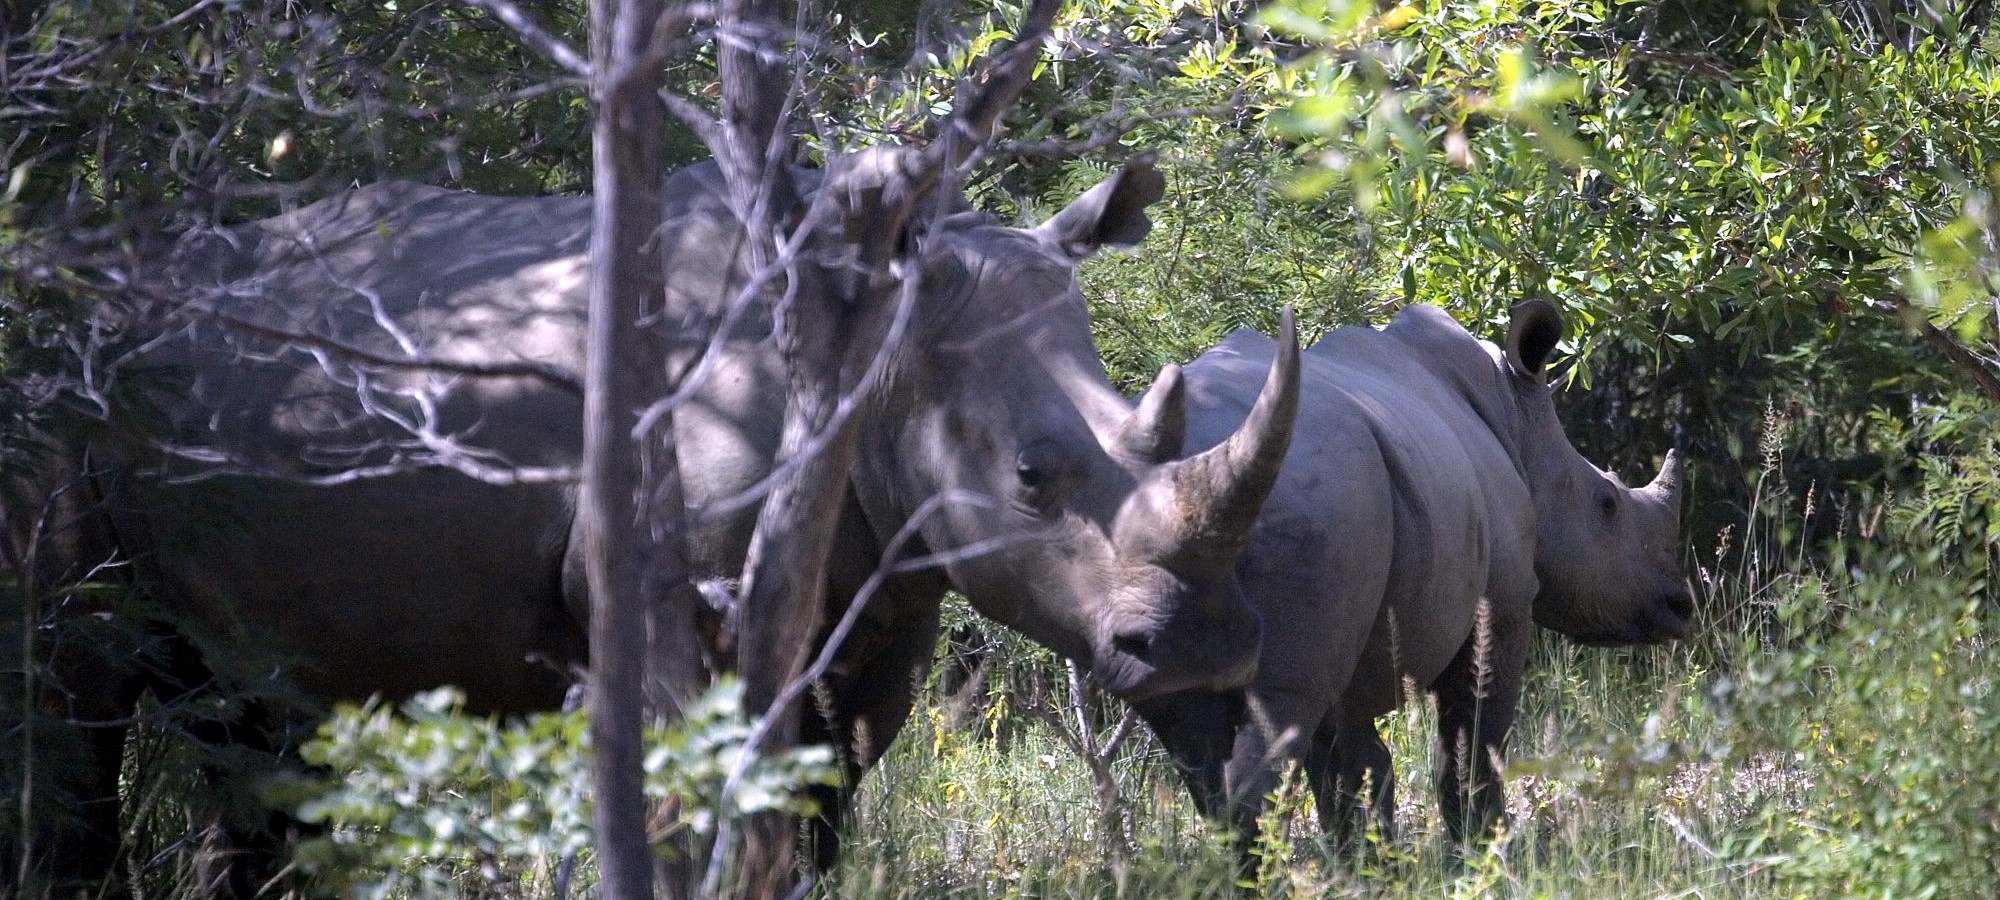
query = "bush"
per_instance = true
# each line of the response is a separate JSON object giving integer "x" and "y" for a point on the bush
{"x": 426, "y": 801}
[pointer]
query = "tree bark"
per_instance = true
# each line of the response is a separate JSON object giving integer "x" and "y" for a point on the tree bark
{"x": 626, "y": 284}
{"x": 1973, "y": 366}
{"x": 783, "y": 578}
{"x": 827, "y": 345}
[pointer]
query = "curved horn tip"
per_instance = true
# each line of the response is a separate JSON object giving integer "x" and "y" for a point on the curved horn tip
{"x": 1241, "y": 471}
{"x": 1285, "y": 365}
{"x": 1669, "y": 478}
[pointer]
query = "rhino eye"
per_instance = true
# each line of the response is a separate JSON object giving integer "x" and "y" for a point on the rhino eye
{"x": 1607, "y": 505}
{"x": 1039, "y": 469}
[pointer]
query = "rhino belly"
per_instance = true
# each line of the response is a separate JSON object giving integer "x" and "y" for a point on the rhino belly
{"x": 389, "y": 585}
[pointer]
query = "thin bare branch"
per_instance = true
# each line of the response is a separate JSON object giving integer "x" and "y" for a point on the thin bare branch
{"x": 534, "y": 36}
{"x": 972, "y": 126}
{"x": 442, "y": 455}
{"x": 554, "y": 376}
{"x": 1080, "y": 738}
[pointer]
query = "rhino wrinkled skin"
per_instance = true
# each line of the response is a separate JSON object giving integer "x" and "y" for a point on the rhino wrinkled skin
{"x": 1430, "y": 510}
{"x": 397, "y": 582}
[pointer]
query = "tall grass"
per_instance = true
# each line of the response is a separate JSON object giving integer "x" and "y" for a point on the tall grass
{"x": 1832, "y": 730}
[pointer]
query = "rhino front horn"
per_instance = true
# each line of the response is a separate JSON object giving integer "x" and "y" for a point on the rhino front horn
{"x": 1667, "y": 484}
{"x": 1219, "y": 492}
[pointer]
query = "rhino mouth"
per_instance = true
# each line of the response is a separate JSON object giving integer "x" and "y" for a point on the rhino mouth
{"x": 1627, "y": 638}
{"x": 1664, "y": 621}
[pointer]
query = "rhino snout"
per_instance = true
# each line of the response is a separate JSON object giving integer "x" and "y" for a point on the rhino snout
{"x": 1663, "y": 619}
{"x": 1137, "y": 662}
{"x": 1670, "y": 617}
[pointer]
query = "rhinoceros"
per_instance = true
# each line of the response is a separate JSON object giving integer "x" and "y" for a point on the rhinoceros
{"x": 1430, "y": 510}
{"x": 267, "y": 498}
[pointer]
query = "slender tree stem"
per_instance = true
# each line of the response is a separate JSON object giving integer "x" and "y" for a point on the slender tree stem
{"x": 626, "y": 285}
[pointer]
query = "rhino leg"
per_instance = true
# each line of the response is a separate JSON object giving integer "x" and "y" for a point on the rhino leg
{"x": 55, "y": 551}
{"x": 866, "y": 696}
{"x": 96, "y": 696}
{"x": 1259, "y": 731}
{"x": 244, "y": 839}
{"x": 1346, "y": 761}
{"x": 863, "y": 708}
{"x": 95, "y": 689}
{"x": 1477, "y": 695}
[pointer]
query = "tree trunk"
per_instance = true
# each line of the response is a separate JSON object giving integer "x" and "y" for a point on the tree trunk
{"x": 626, "y": 286}
{"x": 827, "y": 348}
{"x": 783, "y": 579}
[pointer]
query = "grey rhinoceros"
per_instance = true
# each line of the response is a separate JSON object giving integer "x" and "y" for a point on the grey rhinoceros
{"x": 266, "y": 496}
{"x": 1430, "y": 510}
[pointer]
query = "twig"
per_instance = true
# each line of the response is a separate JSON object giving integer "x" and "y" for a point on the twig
{"x": 1113, "y": 817}
{"x": 555, "y": 376}
{"x": 533, "y": 36}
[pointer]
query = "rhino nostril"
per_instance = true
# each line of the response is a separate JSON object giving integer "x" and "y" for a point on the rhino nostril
{"x": 1682, "y": 603}
{"x": 1133, "y": 644}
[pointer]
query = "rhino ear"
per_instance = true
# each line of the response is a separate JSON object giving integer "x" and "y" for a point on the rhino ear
{"x": 1533, "y": 329}
{"x": 1112, "y": 213}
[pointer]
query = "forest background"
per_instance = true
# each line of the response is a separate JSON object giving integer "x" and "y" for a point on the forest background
{"x": 1771, "y": 225}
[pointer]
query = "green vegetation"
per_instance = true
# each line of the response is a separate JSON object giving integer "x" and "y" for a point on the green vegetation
{"x": 1827, "y": 735}
{"x": 426, "y": 800}
{"x": 1774, "y": 229}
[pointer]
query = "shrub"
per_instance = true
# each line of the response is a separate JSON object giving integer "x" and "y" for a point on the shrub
{"x": 425, "y": 800}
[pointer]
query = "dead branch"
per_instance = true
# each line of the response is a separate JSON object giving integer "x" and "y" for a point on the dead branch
{"x": 1097, "y": 756}
{"x": 1111, "y": 128}
{"x": 534, "y": 36}
{"x": 552, "y": 375}
{"x": 1005, "y": 77}
{"x": 1984, "y": 373}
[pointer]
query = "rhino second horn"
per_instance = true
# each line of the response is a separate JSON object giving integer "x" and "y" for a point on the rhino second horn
{"x": 1153, "y": 433}
{"x": 1220, "y": 491}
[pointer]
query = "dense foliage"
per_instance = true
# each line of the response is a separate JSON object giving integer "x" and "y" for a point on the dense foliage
{"x": 428, "y": 797}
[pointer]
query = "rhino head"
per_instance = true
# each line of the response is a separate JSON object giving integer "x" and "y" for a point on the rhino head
{"x": 1095, "y": 540}
{"x": 1605, "y": 554}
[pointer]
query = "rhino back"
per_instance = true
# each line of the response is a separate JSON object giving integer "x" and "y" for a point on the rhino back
{"x": 1396, "y": 501}
{"x": 406, "y": 580}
